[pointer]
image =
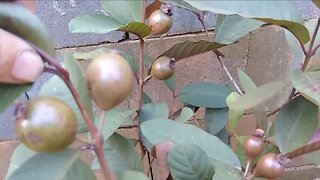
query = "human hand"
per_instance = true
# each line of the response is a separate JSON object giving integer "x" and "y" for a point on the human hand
{"x": 19, "y": 63}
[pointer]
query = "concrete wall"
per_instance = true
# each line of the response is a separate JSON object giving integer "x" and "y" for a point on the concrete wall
{"x": 263, "y": 54}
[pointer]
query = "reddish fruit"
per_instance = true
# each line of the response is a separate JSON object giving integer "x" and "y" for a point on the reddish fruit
{"x": 253, "y": 147}
{"x": 46, "y": 124}
{"x": 109, "y": 79}
{"x": 269, "y": 167}
{"x": 163, "y": 68}
{"x": 160, "y": 22}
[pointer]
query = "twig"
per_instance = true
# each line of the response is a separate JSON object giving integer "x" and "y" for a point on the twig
{"x": 172, "y": 103}
{"x": 304, "y": 150}
{"x": 141, "y": 69}
{"x": 97, "y": 138}
{"x": 201, "y": 19}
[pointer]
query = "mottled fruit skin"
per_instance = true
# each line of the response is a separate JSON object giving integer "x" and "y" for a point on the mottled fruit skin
{"x": 253, "y": 147}
{"x": 46, "y": 124}
{"x": 159, "y": 22}
{"x": 162, "y": 68}
{"x": 109, "y": 79}
{"x": 269, "y": 167}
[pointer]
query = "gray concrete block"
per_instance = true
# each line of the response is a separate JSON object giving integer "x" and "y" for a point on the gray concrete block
{"x": 57, "y": 14}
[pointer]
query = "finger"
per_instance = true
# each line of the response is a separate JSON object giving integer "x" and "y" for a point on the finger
{"x": 19, "y": 63}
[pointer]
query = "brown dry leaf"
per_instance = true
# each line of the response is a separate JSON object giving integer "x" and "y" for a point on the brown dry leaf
{"x": 160, "y": 152}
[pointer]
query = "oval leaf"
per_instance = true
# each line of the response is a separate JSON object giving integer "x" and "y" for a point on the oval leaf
{"x": 153, "y": 111}
{"x": 80, "y": 171}
{"x": 307, "y": 84}
{"x": 215, "y": 119}
{"x": 164, "y": 130}
{"x": 120, "y": 154}
{"x": 260, "y": 95}
{"x": 295, "y": 124}
{"x": 137, "y": 28}
{"x": 229, "y": 28}
{"x": 46, "y": 166}
{"x": 281, "y": 13}
{"x": 185, "y": 115}
{"x": 145, "y": 98}
{"x": 124, "y": 11}
{"x": 190, "y": 48}
{"x": 171, "y": 83}
{"x": 23, "y": 23}
{"x": 93, "y": 23}
{"x": 114, "y": 118}
{"x": 188, "y": 161}
{"x": 57, "y": 88}
{"x": 203, "y": 94}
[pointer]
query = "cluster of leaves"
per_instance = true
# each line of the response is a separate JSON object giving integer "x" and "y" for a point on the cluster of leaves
{"x": 184, "y": 150}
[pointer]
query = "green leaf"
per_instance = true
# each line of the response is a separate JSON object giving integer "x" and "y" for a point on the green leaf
{"x": 171, "y": 83}
{"x": 93, "y": 23}
{"x": 124, "y": 11}
{"x": 215, "y": 119}
{"x": 260, "y": 95}
{"x": 23, "y": 23}
{"x": 229, "y": 28}
{"x": 137, "y": 28}
{"x": 91, "y": 54}
{"x": 185, "y": 115}
{"x": 20, "y": 155}
{"x": 281, "y": 13}
{"x": 145, "y": 98}
{"x": 234, "y": 114}
{"x": 80, "y": 171}
{"x": 9, "y": 93}
{"x": 295, "y": 124}
{"x": 57, "y": 88}
{"x": 97, "y": 52}
{"x": 114, "y": 118}
{"x": 259, "y": 111}
{"x": 225, "y": 172}
{"x": 296, "y": 47}
{"x": 246, "y": 82}
{"x": 190, "y": 48}
{"x": 317, "y": 3}
{"x": 120, "y": 154}
{"x": 148, "y": 59}
{"x": 202, "y": 94}
{"x": 240, "y": 150}
{"x": 307, "y": 84}
{"x": 153, "y": 111}
{"x": 129, "y": 175}
{"x": 189, "y": 162}
{"x": 46, "y": 166}
{"x": 223, "y": 135}
{"x": 165, "y": 130}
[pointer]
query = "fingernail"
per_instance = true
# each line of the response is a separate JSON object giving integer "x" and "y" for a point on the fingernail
{"x": 28, "y": 66}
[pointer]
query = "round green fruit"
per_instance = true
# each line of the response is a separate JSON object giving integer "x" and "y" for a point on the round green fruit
{"x": 163, "y": 68}
{"x": 159, "y": 22}
{"x": 109, "y": 79}
{"x": 46, "y": 124}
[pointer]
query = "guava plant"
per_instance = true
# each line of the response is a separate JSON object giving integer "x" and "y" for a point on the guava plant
{"x": 75, "y": 101}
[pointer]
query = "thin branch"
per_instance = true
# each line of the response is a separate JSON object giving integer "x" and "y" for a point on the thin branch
{"x": 97, "y": 138}
{"x": 315, "y": 146}
{"x": 314, "y": 51}
{"x": 172, "y": 103}
{"x": 141, "y": 73}
{"x": 201, "y": 19}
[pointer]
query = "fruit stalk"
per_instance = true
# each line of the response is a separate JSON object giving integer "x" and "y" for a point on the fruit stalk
{"x": 218, "y": 53}
{"x": 97, "y": 138}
